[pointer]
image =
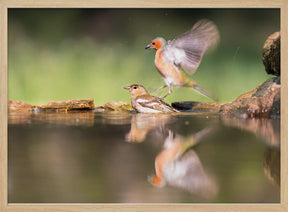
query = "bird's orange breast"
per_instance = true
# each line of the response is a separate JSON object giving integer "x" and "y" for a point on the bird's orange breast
{"x": 167, "y": 69}
{"x": 159, "y": 63}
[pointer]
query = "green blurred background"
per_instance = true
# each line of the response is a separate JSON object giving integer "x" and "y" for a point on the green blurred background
{"x": 60, "y": 54}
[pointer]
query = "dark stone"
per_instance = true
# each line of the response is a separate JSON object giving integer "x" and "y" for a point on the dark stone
{"x": 271, "y": 54}
{"x": 185, "y": 105}
{"x": 197, "y": 106}
{"x": 262, "y": 89}
{"x": 264, "y": 101}
{"x": 275, "y": 109}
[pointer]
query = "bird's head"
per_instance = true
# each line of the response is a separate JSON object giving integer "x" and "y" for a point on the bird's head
{"x": 136, "y": 89}
{"x": 157, "y": 43}
{"x": 156, "y": 181}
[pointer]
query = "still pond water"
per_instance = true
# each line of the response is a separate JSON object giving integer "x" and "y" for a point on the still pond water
{"x": 88, "y": 157}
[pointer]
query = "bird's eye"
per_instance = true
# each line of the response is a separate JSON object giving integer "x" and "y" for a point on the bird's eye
{"x": 153, "y": 43}
{"x": 134, "y": 87}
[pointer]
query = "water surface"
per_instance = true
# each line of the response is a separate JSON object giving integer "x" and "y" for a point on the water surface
{"x": 87, "y": 157}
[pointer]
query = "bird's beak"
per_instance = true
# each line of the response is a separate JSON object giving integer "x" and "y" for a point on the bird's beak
{"x": 127, "y": 87}
{"x": 148, "y": 47}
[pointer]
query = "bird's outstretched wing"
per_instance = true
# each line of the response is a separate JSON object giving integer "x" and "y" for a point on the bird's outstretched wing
{"x": 155, "y": 103}
{"x": 187, "y": 49}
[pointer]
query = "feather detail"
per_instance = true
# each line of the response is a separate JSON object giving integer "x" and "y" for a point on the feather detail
{"x": 192, "y": 84}
{"x": 147, "y": 103}
{"x": 187, "y": 50}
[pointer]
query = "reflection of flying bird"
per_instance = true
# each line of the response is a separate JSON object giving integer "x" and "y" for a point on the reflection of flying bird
{"x": 143, "y": 102}
{"x": 179, "y": 166}
{"x": 187, "y": 173}
{"x": 184, "y": 52}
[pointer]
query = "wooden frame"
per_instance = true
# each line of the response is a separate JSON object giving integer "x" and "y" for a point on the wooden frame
{"x": 5, "y": 4}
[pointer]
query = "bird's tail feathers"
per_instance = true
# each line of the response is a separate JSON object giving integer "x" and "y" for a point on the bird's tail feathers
{"x": 201, "y": 90}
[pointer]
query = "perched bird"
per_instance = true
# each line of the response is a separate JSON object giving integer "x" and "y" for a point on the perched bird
{"x": 184, "y": 52}
{"x": 143, "y": 102}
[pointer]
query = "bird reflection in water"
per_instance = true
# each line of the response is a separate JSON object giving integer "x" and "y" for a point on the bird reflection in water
{"x": 179, "y": 166}
{"x": 142, "y": 124}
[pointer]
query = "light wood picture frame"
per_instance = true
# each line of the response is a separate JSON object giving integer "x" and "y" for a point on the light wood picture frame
{"x": 5, "y": 4}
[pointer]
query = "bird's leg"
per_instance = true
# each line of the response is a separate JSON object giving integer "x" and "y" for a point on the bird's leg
{"x": 157, "y": 89}
{"x": 170, "y": 91}
{"x": 165, "y": 96}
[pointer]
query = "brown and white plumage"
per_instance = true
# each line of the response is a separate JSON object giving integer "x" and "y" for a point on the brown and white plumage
{"x": 184, "y": 52}
{"x": 143, "y": 102}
